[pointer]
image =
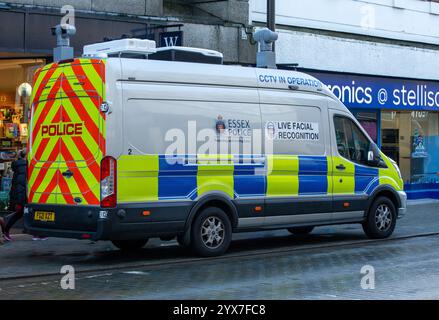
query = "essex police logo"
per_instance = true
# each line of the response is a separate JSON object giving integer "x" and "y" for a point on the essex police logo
{"x": 220, "y": 125}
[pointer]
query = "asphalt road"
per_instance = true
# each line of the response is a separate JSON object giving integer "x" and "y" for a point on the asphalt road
{"x": 263, "y": 265}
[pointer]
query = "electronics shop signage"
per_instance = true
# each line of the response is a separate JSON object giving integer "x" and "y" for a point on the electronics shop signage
{"x": 292, "y": 130}
{"x": 382, "y": 93}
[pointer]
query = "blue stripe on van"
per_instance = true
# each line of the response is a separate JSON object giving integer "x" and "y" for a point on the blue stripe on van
{"x": 176, "y": 179}
{"x": 248, "y": 165}
{"x": 313, "y": 173}
{"x": 249, "y": 185}
{"x": 366, "y": 179}
{"x": 249, "y": 176}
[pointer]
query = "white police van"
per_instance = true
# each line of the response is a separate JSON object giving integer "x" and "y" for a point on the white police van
{"x": 147, "y": 147}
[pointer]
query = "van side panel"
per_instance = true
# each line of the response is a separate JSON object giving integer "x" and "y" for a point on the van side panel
{"x": 298, "y": 168}
{"x": 138, "y": 178}
{"x": 283, "y": 175}
{"x": 157, "y": 117}
{"x": 344, "y": 181}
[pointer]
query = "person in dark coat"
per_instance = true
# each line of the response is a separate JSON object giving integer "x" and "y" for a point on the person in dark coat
{"x": 18, "y": 194}
{"x": 2, "y": 227}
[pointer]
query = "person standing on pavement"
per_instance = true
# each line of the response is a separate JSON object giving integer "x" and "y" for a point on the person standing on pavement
{"x": 2, "y": 227}
{"x": 17, "y": 195}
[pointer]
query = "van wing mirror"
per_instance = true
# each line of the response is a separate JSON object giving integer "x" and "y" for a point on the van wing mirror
{"x": 374, "y": 156}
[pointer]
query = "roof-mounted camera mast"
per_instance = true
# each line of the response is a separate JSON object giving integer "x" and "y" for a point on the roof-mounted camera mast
{"x": 266, "y": 56}
{"x": 266, "y": 37}
{"x": 63, "y": 50}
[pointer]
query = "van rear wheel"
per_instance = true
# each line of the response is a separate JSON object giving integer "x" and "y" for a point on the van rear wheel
{"x": 381, "y": 219}
{"x": 129, "y": 245}
{"x": 211, "y": 232}
{"x": 301, "y": 230}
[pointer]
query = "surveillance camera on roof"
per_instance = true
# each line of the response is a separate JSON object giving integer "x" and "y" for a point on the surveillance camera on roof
{"x": 265, "y": 35}
{"x": 266, "y": 57}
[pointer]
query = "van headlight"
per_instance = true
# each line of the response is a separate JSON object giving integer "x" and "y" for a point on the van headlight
{"x": 395, "y": 165}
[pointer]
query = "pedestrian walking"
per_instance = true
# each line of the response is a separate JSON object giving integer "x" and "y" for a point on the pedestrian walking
{"x": 2, "y": 227}
{"x": 17, "y": 195}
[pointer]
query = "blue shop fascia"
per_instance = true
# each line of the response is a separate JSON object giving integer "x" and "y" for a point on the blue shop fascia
{"x": 402, "y": 116}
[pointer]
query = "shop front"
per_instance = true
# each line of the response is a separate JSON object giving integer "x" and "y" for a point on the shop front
{"x": 402, "y": 117}
{"x": 15, "y": 89}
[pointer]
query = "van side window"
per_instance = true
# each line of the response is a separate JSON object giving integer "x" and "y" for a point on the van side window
{"x": 352, "y": 144}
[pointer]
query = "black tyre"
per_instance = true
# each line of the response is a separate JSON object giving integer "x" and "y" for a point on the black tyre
{"x": 211, "y": 233}
{"x": 129, "y": 245}
{"x": 182, "y": 241}
{"x": 301, "y": 230}
{"x": 381, "y": 219}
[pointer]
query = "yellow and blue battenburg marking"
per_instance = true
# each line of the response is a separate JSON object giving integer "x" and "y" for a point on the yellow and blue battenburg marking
{"x": 177, "y": 177}
{"x": 366, "y": 179}
{"x": 188, "y": 177}
{"x": 249, "y": 176}
{"x": 313, "y": 175}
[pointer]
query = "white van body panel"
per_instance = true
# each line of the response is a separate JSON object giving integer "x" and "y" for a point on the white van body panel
{"x": 306, "y": 181}
{"x": 134, "y": 79}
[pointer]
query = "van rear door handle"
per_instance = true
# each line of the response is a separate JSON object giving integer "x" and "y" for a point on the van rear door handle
{"x": 341, "y": 167}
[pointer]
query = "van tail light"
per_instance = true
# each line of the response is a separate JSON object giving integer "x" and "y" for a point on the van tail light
{"x": 108, "y": 182}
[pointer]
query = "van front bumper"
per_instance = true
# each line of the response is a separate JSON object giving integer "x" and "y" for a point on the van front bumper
{"x": 122, "y": 223}
{"x": 402, "y": 210}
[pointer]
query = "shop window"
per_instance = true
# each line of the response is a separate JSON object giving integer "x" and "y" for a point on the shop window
{"x": 369, "y": 122}
{"x": 411, "y": 138}
{"x": 16, "y": 77}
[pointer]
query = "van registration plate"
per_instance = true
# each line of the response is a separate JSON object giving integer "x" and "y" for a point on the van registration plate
{"x": 44, "y": 216}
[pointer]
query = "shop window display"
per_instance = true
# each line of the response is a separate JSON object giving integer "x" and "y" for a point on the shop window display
{"x": 15, "y": 89}
{"x": 411, "y": 138}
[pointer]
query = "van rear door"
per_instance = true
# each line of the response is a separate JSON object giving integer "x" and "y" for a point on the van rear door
{"x": 43, "y": 148}
{"x": 68, "y": 134}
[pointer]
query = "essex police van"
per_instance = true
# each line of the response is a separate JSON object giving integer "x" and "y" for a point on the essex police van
{"x": 115, "y": 153}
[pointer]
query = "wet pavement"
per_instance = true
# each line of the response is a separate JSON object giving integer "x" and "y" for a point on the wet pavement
{"x": 263, "y": 265}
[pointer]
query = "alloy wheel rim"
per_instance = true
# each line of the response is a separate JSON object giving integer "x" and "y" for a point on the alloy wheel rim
{"x": 383, "y": 217}
{"x": 212, "y": 232}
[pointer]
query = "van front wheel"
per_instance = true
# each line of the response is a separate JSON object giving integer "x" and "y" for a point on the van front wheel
{"x": 211, "y": 233}
{"x": 381, "y": 219}
{"x": 129, "y": 245}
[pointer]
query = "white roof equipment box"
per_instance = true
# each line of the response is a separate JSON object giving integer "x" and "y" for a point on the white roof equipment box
{"x": 187, "y": 54}
{"x": 114, "y": 47}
